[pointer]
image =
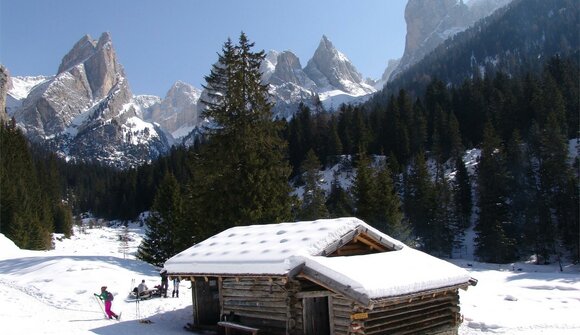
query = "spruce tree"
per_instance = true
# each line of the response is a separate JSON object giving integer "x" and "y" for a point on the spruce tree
{"x": 419, "y": 197}
{"x": 495, "y": 241}
{"x": 364, "y": 189}
{"x": 241, "y": 173}
{"x": 462, "y": 193}
{"x": 313, "y": 204}
{"x": 165, "y": 235}
{"x": 339, "y": 202}
{"x": 389, "y": 215}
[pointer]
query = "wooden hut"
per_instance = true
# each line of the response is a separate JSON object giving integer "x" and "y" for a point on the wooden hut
{"x": 338, "y": 276}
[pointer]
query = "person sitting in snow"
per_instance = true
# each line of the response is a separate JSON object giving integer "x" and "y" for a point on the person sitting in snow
{"x": 142, "y": 289}
{"x": 107, "y": 297}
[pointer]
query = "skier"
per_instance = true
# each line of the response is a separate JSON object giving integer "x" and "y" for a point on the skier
{"x": 175, "y": 287}
{"x": 107, "y": 297}
{"x": 164, "y": 283}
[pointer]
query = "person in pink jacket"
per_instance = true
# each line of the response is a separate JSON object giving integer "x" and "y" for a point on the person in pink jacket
{"x": 107, "y": 297}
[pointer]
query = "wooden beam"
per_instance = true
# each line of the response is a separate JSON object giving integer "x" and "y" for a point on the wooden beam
{"x": 335, "y": 286}
{"x": 368, "y": 241}
{"x": 313, "y": 294}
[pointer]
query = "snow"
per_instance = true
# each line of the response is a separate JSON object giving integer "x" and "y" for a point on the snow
{"x": 278, "y": 249}
{"x": 269, "y": 249}
{"x": 21, "y": 86}
{"x": 50, "y": 292}
{"x": 394, "y": 277}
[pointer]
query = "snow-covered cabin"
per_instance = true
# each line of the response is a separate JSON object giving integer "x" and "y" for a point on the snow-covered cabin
{"x": 337, "y": 276}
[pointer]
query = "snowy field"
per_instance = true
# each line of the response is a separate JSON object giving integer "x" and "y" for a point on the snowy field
{"x": 51, "y": 292}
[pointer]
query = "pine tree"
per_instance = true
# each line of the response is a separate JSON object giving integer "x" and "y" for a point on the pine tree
{"x": 419, "y": 197}
{"x": 364, "y": 190}
{"x": 165, "y": 235}
{"x": 314, "y": 201}
{"x": 462, "y": 193}
{"x": 494, "y": 242}
{"x": 339, "y": 202}
{"x": 389, "y": 216}
{"x": 241, "y": 174}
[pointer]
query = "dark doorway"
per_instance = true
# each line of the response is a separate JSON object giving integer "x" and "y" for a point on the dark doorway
{"x": 206, "y": 303}
{"x": 316, "y": 319}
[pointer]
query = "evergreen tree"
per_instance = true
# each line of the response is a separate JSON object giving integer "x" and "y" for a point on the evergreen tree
{"x": 522, "y": 189}
{"x": 364, "y": 190}
{"x": 462, "y": 193}
{"x": 494, "y": 242}
{"x": 165, "y": 235}
{"x": 241, "y": 175}
{"x": 389, "y": 215}
{"x": 419, "y": 197}
{"x": 339, "y": 203}
{"x": 313, "y": 204}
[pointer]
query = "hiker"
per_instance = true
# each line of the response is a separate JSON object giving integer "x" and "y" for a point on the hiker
{"x": 107, "y": 297}
{"x": 175, "y": 287}
{"x": 142, "y": 289}
{"x": 164, "y": 283}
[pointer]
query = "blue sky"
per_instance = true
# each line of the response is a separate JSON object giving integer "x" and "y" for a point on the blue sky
{"x": 160, "y": 42}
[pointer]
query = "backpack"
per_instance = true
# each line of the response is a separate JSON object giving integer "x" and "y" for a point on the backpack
{"x": 110, "y": 296}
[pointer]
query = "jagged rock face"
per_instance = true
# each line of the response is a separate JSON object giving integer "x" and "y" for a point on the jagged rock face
{"x": 329, "y": 67}
{"x": 4, "y": 83}
{"x": 95, "y": 79}
{"x": 329, "y": 77}
{"x": 430, "y": 22}
{"x": 87, "y": 110}
{"x": 391, "y": 67}
{"x": 289, "y": 70}
{"x": 268, "y": 66}
{"x": 177, "y": 112}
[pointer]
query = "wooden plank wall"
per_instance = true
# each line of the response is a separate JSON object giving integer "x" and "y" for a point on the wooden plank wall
{"x": 427, "y": 314}
{"x": 436, "y": 313}
{"x": 262, "y": 303}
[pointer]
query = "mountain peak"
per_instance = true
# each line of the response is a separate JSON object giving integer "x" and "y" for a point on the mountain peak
{"x": 104, "y": 39}
{"x": 331, "y": 68}
{"x": 82, "y": 49}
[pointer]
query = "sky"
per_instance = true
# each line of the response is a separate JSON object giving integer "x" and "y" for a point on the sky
{"x": 161, "y": 42}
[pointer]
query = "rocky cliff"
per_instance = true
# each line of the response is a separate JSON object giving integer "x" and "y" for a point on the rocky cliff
{"x": 177, "y": 113}
{"x": 430, "y": 22}
{"x": 87, "y": 111}
{"x": 4, "y": 86}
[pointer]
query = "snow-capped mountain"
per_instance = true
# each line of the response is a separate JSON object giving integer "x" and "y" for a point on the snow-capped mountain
{"x": 86, "y": 111}
{"x": 430, "y": 22}
{"x": 177, "y": 113}
{"x": 329, "y": 77}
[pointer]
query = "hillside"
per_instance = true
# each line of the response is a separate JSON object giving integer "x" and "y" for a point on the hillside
{"x": 515, "y": 39}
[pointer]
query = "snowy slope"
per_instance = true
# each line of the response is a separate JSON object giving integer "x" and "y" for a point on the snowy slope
{"x": 50, "y": 292}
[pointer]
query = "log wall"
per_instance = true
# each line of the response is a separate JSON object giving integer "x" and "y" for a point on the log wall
{"x": 263, "y": 303}
{"x": 433, "y": 313}
{"x": 276, "y": 306}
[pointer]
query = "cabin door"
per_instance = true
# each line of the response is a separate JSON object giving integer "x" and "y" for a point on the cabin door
{"x": 316, "y": 316}
{"x": 206, "y": 303}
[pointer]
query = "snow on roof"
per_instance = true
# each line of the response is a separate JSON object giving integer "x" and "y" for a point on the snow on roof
{"x": 281, "y": 249}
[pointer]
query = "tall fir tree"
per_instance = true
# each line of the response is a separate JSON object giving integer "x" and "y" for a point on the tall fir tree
{"x": 339, "y": 202}
{"x": 389, "y": 213}
{"x": 419, "y": 197}
{"x": 314, "y": 200}
{"x": 495, "y": 241}
{"x": 165, "y": 234}
{"x": 241, "y": 173}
